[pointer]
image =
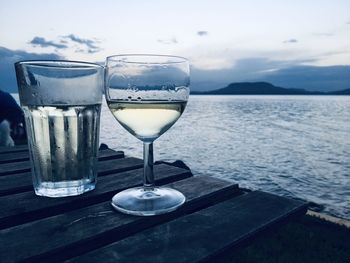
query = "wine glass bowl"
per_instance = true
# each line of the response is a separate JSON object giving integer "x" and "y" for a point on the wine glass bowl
{"x": 147, "y": 94}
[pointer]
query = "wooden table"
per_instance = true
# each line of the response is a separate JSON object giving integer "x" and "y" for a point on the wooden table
{"x": 216, "y": 217}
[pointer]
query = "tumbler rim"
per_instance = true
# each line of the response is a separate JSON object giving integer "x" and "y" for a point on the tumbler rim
{"x": 59, "y": 64}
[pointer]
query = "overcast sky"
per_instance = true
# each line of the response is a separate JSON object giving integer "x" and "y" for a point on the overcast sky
{"x": 214, "y": 35}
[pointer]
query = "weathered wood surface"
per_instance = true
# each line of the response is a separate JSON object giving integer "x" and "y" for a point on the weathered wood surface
{"x": 18, "y": 148}
{"x": 217, "y": 216}
{"x": 14, "y": 157}
{"x": 202, "y": 235}
{"x": 101, "y": 224}
{"x": 24, "y": 207}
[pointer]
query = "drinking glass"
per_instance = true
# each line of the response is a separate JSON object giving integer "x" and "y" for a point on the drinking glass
{"x": 61, "y": 101}
{"x": 147, "y": 94}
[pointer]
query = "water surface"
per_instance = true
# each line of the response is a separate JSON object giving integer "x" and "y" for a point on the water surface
{"x": 296, "y": 146}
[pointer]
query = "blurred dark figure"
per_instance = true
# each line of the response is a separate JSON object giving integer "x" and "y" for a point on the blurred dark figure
{"x": 12, "y": 128}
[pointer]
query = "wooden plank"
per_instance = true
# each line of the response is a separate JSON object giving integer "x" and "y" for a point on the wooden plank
{"x": 109, "y": 154}
{"x": 92, "y": 227}
{"x": 16, "y": 183}
{"x": 203, "y": 235}
{"x": 25, "y": 207}
{"x": 12, "y": 168}
{"x": 17, "y": 148}
{"x": 14, "y": 157}
{"x": 24, "y": 166}
{"x": 24, "y": 156}
{"x": 118, "y": 165}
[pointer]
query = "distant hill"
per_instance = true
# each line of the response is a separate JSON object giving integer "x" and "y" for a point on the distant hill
{"x": 265, "y": 88}
{"x": 340, "y": 92}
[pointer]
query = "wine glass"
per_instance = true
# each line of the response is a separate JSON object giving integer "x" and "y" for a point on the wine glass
{"x": 147, "y": 94}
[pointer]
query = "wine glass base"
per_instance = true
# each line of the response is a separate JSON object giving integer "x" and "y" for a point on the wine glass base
{"x": 148, "y": 201}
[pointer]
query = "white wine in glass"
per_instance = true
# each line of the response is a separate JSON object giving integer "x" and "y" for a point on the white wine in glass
{"x": 147, "y": 94}
{"x": 147, "y": 121}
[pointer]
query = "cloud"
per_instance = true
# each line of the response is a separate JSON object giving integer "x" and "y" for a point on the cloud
{"x": 92, "y": 51}
{"x": 202, "y": 33}
{"x": 292, "y": 40}
{"x": 42, "y": 42}
{"x": 7, "y": 59}
{"x": 347, "y": 23}
{"x": 168, "y": 41}
{"x": 90, "y": 45}
{"x": 288, "y": 74}
{"x": 330, "y": 78}
{"x": 245, "y": 69}
{"x": 80, "y": 50}
{"x": 80, "y": 45}
{"x": 88, "y": 42}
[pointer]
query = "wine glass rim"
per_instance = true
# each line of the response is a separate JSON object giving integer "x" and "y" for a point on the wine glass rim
{"x": 63, "y": 64}
{"x": 118, "y": 58}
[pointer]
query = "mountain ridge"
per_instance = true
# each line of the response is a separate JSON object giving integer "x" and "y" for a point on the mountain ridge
{"x": 264, "y": 88}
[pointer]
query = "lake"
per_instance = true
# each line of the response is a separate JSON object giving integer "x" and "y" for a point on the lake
{"x": 296, "y": 146}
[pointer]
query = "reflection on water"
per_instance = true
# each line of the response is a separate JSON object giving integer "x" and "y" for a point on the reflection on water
{"x": 297, "y": 146}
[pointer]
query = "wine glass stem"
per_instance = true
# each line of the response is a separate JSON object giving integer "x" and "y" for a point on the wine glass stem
{"x": 148, "y": 176}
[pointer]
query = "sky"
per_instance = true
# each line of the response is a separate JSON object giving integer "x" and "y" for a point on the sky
{"x": 224, "y": 40}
